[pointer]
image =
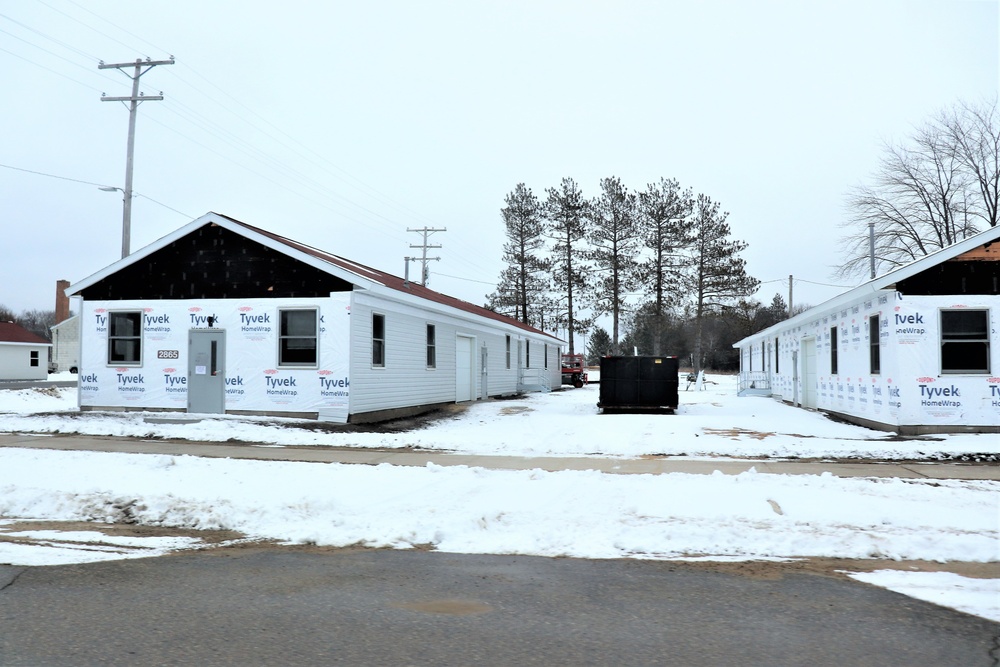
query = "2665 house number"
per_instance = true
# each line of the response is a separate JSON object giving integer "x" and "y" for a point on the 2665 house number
{"x": 168, "y": 354}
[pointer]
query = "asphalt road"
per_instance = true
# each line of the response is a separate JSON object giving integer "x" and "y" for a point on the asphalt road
{"x": 282, "y": 606}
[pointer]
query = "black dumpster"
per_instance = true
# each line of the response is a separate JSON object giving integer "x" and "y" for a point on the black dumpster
{"x": 639, "y": 383}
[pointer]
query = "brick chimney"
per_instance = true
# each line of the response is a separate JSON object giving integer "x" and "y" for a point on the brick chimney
{"x": 62, "y": 301}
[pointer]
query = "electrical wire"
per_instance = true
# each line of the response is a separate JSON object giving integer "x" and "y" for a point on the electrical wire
{"x": 188, "y": 114}
{"x": 99, "y": 185}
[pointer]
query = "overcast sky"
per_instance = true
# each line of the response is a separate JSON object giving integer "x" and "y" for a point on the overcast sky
{"x": 341, "y": 124}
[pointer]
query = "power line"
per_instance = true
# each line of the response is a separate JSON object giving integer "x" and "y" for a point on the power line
{"x": 42, "y": 173}
{"x": 50, "y": 70}
{"x": 466, "y": 255}
{"x": 90, "y": 27}
{"x": 99, "y": 185}
{"x": 50, "y": 38}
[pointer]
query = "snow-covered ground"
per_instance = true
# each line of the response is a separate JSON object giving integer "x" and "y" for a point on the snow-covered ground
{"x": 709, "y": 423}
{"x": 474, "y": 510}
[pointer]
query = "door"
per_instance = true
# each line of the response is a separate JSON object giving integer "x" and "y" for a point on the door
{"x": 206, "y": 378}
{"x": 809, "y": 373}
{"x": 464, "y": 365}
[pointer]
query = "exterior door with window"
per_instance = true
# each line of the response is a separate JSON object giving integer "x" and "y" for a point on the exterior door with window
{"x": 206, "y": 379}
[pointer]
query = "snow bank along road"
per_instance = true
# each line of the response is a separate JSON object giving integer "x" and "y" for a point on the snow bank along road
{"x": 460, "y": 509}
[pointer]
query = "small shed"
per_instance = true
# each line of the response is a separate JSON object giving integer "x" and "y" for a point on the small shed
{"x": 221, "y": 316}
{"x": 913, "y": 351}
{"x": 23, "y": 354}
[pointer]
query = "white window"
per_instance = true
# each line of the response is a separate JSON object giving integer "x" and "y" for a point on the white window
{"x": 378, "y": 340}
{"x": 33, "y": 356}
{"x": 431, "y": 346}
{"x": 508, "y": 352}
{"x": 125, "y": 338}
{"x": 965, "y": 341}
{"x": 297, "y": 337}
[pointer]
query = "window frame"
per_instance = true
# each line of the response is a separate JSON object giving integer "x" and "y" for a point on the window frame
{"x": 545, "y": 354}
{"x": 112, "y": 338}
{"x": 777, "y": 357}
{"x": 508, "y": 351}
{"x": 378, "y": 343}
{"x": 874, "y": 348}
{"x": 34, "y": 358}
{"x": 527, "y": 353}
{"x": 959, "y": 341}
{"x": 282, "y": 337}
{"x": 833, "y": 350}
{"x": 431, "y": 340}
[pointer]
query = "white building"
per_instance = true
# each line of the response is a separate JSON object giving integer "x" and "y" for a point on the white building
{"x": 66, "y": 345}
{"x": 220, "y": 316}
{"x": 912, "y": 351}
{"x": 23, "y": 355}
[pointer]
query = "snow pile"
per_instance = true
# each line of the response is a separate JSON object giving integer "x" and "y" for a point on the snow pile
{"x": 973, "y": 596}
{"x": 57, "y": 547}
{"x": 472, "y": 510}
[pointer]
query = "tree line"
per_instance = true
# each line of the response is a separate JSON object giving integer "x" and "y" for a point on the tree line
{"x": 36, "y": 321}
{"x": 662, "y": 253}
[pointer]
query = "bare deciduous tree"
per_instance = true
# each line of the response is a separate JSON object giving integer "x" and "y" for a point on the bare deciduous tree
{"x": 974, "y": 134}
{"x": 928, "y": 193}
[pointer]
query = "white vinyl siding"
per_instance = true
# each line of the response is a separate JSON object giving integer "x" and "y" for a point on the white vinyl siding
{"x": 404, "y": 381}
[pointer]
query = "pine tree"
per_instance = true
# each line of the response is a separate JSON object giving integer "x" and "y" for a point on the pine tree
{"x": 565, "y": 211}
{"x": 665, "y": 219}
{"x": 522, "y": 287}
{"x": 716, "y": 273}
{"x": 614, "y": 240}
{"x": 598, "y": 346}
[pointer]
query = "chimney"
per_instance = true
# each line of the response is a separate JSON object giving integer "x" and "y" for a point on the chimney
{"x": 62, "y": 301}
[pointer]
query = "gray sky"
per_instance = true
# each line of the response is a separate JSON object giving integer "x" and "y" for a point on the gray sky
{"x": 340, "y": 124}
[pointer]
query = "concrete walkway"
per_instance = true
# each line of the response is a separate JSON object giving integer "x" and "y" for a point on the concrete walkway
{"x": 646, "y": 465}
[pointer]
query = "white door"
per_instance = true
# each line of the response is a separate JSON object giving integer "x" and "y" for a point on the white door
{"x": 463, "y": 369}
{"x": 809, "y": 373}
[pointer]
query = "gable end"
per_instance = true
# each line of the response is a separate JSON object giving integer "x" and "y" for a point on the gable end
{"x": 974, "y": 272}
{"x": 212, "y": 262}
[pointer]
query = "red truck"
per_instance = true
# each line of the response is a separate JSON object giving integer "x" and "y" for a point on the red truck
{"x": 573, "y": 370}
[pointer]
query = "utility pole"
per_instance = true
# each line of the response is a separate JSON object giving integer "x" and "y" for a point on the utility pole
{"x": 423, "y": 259}
{"x": 790, "y": 281}
{"x": 141, "y": 67}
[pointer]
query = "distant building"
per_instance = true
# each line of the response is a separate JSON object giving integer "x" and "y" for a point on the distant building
{"x": 65, "y": 334}
{"x": 913, "y": 351}
{"x": 221, "y": 316}
{"x": 23, "y": 355}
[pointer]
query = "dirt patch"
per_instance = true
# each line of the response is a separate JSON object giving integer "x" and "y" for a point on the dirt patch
{"x": 735, "y": 433}
{"x": 516, "y": 410}
{"x": 208, "y": 537}
{"x": 839, "y": 567}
